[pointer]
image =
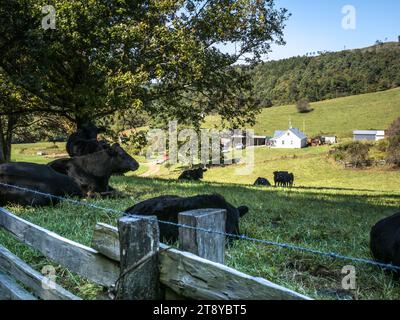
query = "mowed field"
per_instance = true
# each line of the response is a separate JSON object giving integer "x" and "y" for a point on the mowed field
{"x": 329, "y": 209}
{"x": 331, "y": 117}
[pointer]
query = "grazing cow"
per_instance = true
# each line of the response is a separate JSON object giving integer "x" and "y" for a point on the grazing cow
{"x": 283, "y": 179}
{"x": 166, "y": 208}
{"x": 385, "y": 241}
{"x": 34, "y": 177}
{"x": 193, "y": 174}
{"x": 262, "y": 182}
{"x": 84, "y": 141}
{"x": 291, "y": 179}
{"x": 93, "y": 171}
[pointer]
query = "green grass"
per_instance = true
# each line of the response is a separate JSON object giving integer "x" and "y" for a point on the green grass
{"x": 336, "y": 220}
{"x": 28, "y": 152}
{"x": 330, "y": 208}
{"x": 332, "y": 117}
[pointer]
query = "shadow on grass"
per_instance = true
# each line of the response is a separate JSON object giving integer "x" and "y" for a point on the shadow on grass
{"x": 304, "y": 216}
{"x": 384, "y": 203}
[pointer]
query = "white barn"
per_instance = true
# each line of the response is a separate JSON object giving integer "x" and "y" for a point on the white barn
{"x": 290, "y": 139}
{"x": 368, "y": 135}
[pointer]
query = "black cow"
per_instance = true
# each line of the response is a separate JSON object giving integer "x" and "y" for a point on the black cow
{"x": 291, "y": 179}
{"x": 35, "y": 177}
{"x": 93, "y": 171}
{"x": 262, "y": 182}
{"x": 385, "y": 241}
{"x": 193, "y": 174}
{"x": 166, "y": 208}
{"x": 84, "y": 141}
{"x": 283, "y": 179}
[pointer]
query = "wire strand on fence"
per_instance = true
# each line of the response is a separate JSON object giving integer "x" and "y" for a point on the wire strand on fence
{"x": 288, "y": 246}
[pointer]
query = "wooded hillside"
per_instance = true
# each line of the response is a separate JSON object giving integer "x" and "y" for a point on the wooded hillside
{"x": 328, "y": 75}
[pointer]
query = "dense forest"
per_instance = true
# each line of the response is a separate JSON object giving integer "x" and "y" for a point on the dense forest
{"x": 328, "y": 75}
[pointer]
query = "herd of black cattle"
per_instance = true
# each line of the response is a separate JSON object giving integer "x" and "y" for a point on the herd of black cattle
{"x": 87, "y": 172}
{"x": 281, "y": 178}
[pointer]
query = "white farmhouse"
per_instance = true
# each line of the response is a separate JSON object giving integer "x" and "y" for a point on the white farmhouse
{"x": 290, "y": 139}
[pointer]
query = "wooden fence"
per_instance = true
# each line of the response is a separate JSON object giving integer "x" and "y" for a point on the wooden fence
{"x": 131, "y": 260}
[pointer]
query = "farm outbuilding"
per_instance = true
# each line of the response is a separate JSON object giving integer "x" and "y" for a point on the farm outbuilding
{"x": 368, "y": 135}
{"x": 330, "y": 139}
{"x": 240, "y": 141}
{"x": 260, "y": 140}
{"x": 292, "y": 138}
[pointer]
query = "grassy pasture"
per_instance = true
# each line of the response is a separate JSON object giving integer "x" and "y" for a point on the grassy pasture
{"x": 330, "y": 208}
{"x": 334, "y": 220}
{"x": 331, "y": 117}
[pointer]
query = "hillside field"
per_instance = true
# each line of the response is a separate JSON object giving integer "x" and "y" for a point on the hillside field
{"x": 331, "y": 117}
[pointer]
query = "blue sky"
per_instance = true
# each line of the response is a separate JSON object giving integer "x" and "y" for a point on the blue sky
{"x": 316, "y": 25}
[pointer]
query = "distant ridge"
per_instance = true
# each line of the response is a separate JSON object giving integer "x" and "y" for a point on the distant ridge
{"x": 329, "y": 75}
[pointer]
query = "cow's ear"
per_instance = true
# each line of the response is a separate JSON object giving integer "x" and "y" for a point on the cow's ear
{"x": 243, "y": 210}
{"x": 204, "y": 170}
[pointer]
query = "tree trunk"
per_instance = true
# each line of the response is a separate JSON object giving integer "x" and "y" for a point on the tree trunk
{"x": 2, "y": 142}
{"x": 9, "y": 135}
{"x": 6, "y": 135}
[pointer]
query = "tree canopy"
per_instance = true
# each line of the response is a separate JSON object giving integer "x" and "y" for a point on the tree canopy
{"x": 162, "y": 56}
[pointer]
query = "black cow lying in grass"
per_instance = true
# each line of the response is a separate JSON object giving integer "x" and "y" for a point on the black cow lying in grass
{"x": 193, "y": 174}
{"x": 166, "y": 208}
{"x": 35, "y": 177}
{"x": 283, "y": 179}
{"x": 93, "y": 171}
{"x": 85, "y": 177}
{"x": 262, "y": 182}
{"x": 84, "y": 141}
{"x": 385, "y": 241}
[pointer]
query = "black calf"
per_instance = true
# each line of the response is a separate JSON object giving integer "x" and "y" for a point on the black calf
{"x": 262, "y": 182}
{"x": 93, "y": 171}
{"x": 84, "y": 141}
{"x": 193, "y": 174}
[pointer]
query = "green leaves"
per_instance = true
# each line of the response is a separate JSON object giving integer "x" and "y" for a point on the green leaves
{"x": 163, "y": 55}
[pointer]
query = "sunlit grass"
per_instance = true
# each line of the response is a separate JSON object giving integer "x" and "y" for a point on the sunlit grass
{"x": 332, "y": 117}
{"x": 334, "y": 220}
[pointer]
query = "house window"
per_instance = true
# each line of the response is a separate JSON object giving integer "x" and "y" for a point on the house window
{"x": 283, "y": 142}
{"x": 291, "y": 142}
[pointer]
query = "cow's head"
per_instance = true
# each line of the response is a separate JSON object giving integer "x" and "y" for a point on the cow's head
{"x": 233, "y": 220}
{"x": 89, "y": 131}
{"x": 233, "y": 214}
{"x": 121, "y": 161}
{"x": 199, "y": 172}
{"x": 242, "y": 210}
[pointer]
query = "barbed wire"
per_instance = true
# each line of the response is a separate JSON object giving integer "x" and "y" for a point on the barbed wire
{"x": 281, "y": 245}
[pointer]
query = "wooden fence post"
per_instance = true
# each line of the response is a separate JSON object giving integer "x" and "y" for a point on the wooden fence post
{"x": 207, "y": 245}
{"x": 139, "y": 244}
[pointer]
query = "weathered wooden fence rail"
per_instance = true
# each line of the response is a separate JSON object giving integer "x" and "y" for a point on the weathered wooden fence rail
{"x": 132, "y": 259}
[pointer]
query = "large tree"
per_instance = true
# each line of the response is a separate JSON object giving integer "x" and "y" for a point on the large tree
{"x": 13, "y": 98}
{"x": 175, "y": 57}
